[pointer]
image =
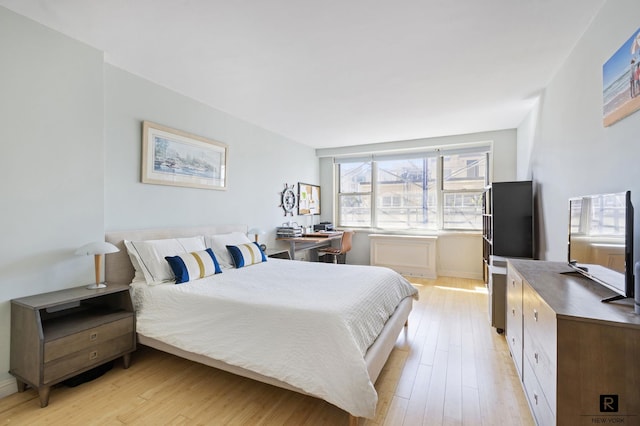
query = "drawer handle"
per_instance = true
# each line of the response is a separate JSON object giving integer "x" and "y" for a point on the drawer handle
{"x": 93, "y": 336}
{"x": 535, "y": 397}
{"x": 513, "y": 312}
{"x": 535, "y": 355}
{"x": 93, "y": 355}
{"x": 535, "y": 315}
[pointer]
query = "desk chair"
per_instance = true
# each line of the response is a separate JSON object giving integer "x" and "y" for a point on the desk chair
{"x": 345, "y": 246}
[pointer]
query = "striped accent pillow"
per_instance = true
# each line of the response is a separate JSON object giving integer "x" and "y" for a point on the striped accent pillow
{"x": 193, "y": 266}
{"x": 246, "y": 254}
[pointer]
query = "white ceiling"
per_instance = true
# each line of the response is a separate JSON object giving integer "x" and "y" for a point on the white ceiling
{"x": 337, "y": 72}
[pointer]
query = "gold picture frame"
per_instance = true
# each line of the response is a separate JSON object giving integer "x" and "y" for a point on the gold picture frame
{"x": 177, "y": 158}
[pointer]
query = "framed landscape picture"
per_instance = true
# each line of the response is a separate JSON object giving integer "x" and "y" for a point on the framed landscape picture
{"x": 308, "y": 199}
{"x": 177, "y": 158}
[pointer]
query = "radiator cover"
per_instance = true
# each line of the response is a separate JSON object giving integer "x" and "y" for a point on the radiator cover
{"x": 406, "y": 254}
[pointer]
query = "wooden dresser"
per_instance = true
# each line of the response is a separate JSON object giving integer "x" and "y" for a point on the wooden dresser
{"x": 57, "y": 335}
{"x": 578, "y": 358}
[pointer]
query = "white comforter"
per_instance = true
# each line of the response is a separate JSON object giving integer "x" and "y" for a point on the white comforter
{"x": 307, "y": 324}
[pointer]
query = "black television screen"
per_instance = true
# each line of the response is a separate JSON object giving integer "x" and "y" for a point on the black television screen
{"x": 601, "y": 240}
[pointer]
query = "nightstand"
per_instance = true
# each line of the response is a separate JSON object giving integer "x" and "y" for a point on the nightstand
{"x": 57, "y": 335}
{"x": 278, "y": 253}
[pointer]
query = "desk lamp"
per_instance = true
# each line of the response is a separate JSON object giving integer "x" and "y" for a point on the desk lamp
{"x": 97, "y": 249}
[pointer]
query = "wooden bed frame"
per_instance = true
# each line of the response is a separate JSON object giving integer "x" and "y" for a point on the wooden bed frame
{"x": 118, "y": 269}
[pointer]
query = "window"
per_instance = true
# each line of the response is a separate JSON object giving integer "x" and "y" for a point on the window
{"x": 411, "y": 184}
{"x": 355, "y": 194}
{"x": 464, "y": 178}
{"x": 425, "y": 191}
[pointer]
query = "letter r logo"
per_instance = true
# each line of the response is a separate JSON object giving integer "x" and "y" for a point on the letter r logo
{"x": 608, "y": 403}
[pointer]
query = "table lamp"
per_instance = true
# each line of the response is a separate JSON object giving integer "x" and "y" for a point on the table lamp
{"x": 97, "y": 249}
{"x": 256, "y": 232}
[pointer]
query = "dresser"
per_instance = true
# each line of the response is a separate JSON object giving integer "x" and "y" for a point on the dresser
{"x": 577, "y": 358}
{"x": 58, "y": 335}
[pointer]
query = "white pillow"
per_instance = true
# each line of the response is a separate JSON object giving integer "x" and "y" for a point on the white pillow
{"x": 138, "y": 274}
{"x": 150, "y": 256}
{"x": 219, "y": 242}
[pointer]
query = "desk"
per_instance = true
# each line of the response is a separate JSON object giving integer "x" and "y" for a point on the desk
{"x": 310, "y": 242}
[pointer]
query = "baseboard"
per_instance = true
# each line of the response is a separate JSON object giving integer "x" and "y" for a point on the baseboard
{"x": 8, "y": 387}
{"x": 460, "y": 274}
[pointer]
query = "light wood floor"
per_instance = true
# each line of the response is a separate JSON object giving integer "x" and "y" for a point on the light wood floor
{"x": 448, "y": 368}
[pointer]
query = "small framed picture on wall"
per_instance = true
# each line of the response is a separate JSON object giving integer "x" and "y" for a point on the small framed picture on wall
{"x": 308, "y": 199}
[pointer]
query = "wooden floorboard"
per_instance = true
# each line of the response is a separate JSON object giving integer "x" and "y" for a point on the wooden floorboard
{"x": 449, "y": 367}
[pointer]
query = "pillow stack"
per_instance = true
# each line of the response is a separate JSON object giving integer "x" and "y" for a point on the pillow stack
{"x": 181, "y": 260}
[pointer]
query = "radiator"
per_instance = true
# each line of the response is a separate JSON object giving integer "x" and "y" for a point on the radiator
{"x": 406, "y": 254}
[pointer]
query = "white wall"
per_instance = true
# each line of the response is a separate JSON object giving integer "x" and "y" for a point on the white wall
{"x": 571, "y": 153}
{"x": 52, "y": 174}
{"x": 259, "y": 163}
{"x": 71, "y": 136}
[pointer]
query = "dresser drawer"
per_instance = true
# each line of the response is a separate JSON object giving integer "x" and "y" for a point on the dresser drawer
{"x": 544, "y": 368}
{"x": 514, "y": 303}
{"x": 537, "y": 401}
{"x": 540, "y": 323}
{"x": 87, "y": 338}
{"x": 539, "y": 318}
{"x": 514, "y": 317}
{"x": 87, "y": 357}
{"x": 515, "y": 347}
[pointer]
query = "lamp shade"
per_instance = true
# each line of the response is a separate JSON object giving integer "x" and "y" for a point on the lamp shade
{"x": 98, "y": 247}
{"x": 257, "y": 231}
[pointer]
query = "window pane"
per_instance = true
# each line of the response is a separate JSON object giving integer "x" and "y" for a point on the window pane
{"x": 462, "y": 211}
{"x": 355, "y": 177}
{"x": 406, "y": 193}
{"x": 355, "y": 210}
{"x": 464, "y": 171}
{"x": 606, "y": 215}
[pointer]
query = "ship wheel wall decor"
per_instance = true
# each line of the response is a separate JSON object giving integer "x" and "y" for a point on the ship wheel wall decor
{"x": 288, "y": 199}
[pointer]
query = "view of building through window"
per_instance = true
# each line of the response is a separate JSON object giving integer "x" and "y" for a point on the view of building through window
{"x": 464, "y": 179}
{"x": 410, "y": 192}
{"x": 406, "y": 193}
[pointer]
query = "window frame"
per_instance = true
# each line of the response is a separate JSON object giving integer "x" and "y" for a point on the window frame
{"x": 375, "y": 193}
{"x": 474, "y": 191}
{"x": 338, "y": 194}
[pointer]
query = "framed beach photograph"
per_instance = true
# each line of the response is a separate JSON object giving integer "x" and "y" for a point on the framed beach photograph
{"x": 308, "y": 199}
{"x": 177, "y": 158}
{"x": 621, "y": 82}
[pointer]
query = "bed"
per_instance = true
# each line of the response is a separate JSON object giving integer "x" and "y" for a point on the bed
{"x": 320, "y": 329}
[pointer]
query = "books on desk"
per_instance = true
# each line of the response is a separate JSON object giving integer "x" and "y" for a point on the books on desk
{"x": 289, "y": 231}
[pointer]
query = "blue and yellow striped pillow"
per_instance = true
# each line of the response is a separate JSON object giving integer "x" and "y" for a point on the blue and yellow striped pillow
{"x": 246, "y": 254}
{"x": 193, "y": 266}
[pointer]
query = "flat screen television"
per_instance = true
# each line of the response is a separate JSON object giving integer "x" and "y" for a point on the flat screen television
{"x": 601, "y": 240}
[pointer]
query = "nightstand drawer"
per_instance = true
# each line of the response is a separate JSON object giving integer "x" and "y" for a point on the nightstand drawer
{"x": 87, "y": 357}
{"x": 87, "y": 338}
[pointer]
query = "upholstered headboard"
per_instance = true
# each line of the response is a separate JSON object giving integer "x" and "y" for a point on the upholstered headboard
{"x": 118, "y": 267}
